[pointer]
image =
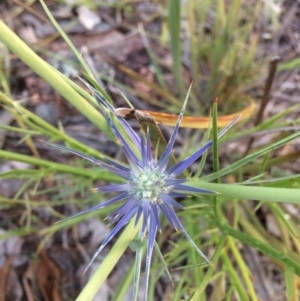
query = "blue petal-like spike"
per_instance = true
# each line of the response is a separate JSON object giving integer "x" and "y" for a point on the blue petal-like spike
{"x": 94, "y": 208}
{"x": 163, "y": 207}
{"x": 116, "y": 199}
{"x": 190, "y": 189}
{"x": 115, "y": 164}
{"x": 166, "y": 198}
{"x": 102, "y": 101}
{"x": 228, "y": 126}
{"x": 174, "y": 182}
{"x": 164, "y": 158}
{"x": 148, "y": 148}
{"x": 128, "y": 151}
{"x": 119, "y": 212}
{"x": 138, "y": 214}
{"x": 145, "y": 160}
{"x": 132, "y": 134}
{"x": 118, "y": 169}
{"x": 174, "y": 194}
{"x": 155, "y": 210}
{"x": 146, "y": 207}
{"x": 151, "y": 240}
{"x": 113, "y": 188}
{"x": 178, "y": 168}
{"x": 125, "y": 219}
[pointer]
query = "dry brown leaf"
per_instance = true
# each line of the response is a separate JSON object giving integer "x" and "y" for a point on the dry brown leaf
{"x": 48, "y": 277}
{"x": 3, "y": 278}
{"x": 29, "y": 282}
{"x": 10, "y": 286}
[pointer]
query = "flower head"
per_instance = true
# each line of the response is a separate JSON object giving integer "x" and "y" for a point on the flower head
{"x": 150, "y": 186}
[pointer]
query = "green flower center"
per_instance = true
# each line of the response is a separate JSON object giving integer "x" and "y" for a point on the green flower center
{"x": 148, "y": 185}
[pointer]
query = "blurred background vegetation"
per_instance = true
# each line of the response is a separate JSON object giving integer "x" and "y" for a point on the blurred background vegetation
{"x": 243, "y": 53}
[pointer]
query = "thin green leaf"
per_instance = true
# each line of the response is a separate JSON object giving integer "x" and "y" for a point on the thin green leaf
{"x": 250, "y": 158}
{"x": 266, "y": 194}
{"x": 111, "y": 259}
{"x": 174, "y": 21}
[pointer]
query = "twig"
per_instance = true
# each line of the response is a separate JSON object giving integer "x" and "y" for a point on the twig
{"x": 266, "y": 97}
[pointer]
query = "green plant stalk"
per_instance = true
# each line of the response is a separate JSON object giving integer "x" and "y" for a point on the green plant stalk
{"x": 10, "y": 201}
{"x": 243, "y": 268}
{"x": 154, "y": 278}
{"x": 284, "y": 233}
{"x": 280, "y": 256}
{"x": 73, "y": 48}
{"x": 281, "y": 215}
{"x": 204, "y": 156}
{"x": 180, "y": 288}
{"x": 193, "y": 41}
{"x": 111, "y": 259}
{"x": 266, "y": 194}
{"x": 277, "y": 161}
{"x": 58, "y": 167}
{"x": 229, "y": 294}
{"x": 252, "y": 227}
{"x": 24, "y": 188}
{"x": 234, "y": 278}
{"x": 250, "y": 158}
{"x": 4, "y": 69}
{"x": 174, "y": 21}
{"x": 192, "y": 255}
{"x": 137, "y": 272}
{"x": 288, "y": 275}
{"x": 255, "y": 231}
{"x": 215, "y": 139}
{"x": 153, "y": 57}
{"x": 270, "y": 123}
{"x": 263, "y": 165}
{"x": 18, "y": 130}
{"x": 18, "y": 232}
{"x": 124, "y": 285}
{"x": 217, "y": 205}
{"x": 233, "y": 12}
{"x": 37, "y": 123}
{"x": 207, "y": 278}
{"x": 162, "y": 260}
{"x": 47, "y": 129}
{"x": 292, "y": 64}
{"x": 50, "y": 75}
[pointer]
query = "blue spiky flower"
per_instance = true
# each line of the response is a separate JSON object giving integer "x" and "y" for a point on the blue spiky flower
{"x": 150, "y": 186}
